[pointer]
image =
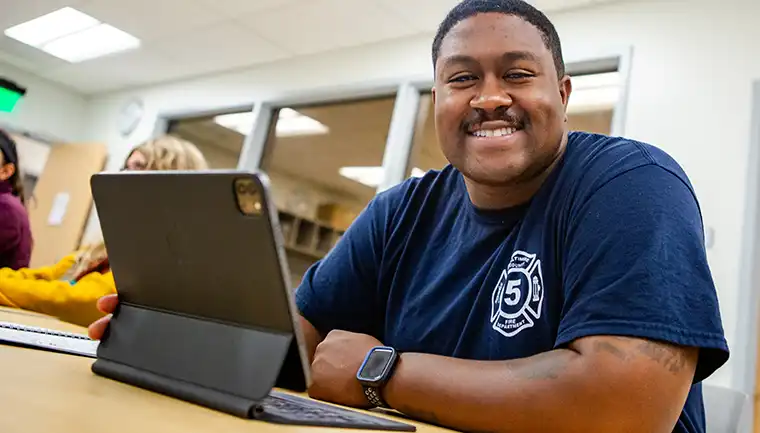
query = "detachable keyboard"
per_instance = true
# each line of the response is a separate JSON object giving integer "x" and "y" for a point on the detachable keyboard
{"x": 288, "y": 409}
{"x": 47, "y": 339}
{"x": 277, "y": 407}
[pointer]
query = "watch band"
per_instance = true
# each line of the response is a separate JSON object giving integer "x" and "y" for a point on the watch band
{"x": 374, "y": 397}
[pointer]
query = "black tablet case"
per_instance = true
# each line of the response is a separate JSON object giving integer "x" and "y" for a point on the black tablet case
{"x": 185, "y": 345}
{"x": 211, "y": 364}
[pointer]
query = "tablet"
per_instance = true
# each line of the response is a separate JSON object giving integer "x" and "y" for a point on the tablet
{"x": 206, "y": 307}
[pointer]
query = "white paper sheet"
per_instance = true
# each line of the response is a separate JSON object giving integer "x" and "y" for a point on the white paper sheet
{"x": 58, "y": 210}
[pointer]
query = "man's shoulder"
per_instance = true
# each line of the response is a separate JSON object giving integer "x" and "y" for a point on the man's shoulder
{"x": 418, "y": 197}
{"x": 597, "y": 159}
{"x": 415, "y": 187}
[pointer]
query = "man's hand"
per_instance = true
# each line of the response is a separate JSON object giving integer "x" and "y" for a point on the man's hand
{"x": 106, "y": 304}
{"x": 336, "y": 361}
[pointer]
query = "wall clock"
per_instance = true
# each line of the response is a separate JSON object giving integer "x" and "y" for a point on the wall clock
{"x": 130, "y": 116}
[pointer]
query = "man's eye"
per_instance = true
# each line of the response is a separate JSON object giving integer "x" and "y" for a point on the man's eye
{"x": 462, "y": 79}
{"x": 517, "y": 76}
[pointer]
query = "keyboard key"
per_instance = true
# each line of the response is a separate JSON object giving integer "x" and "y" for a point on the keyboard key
{"x": 288, "y": 409}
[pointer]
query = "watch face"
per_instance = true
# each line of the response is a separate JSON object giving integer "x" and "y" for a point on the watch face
{"x": 376, "y": 364}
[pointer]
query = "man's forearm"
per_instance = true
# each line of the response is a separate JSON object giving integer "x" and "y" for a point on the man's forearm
{"x": 483, "y": 396}
{"x": 558, "y": 391}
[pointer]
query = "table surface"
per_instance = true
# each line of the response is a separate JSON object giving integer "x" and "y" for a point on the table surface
{"x": 42, "y": 391}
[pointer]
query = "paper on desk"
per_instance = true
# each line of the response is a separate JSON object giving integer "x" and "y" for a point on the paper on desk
{"x": 58, "y": 210}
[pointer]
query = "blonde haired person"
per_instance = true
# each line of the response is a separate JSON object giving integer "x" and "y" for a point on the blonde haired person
{"x": 70, "y": 288}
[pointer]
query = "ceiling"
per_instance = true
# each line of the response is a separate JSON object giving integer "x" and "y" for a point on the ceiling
{"x": 357, "y": 137}
{"x": 188, "y": 38}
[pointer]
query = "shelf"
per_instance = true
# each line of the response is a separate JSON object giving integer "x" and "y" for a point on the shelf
{"x": 306, "y": 237}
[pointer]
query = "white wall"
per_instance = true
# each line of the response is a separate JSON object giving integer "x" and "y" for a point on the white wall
{"x": 48, "y": 109}
{"x": 689, "y": 94}
{"x": 33, "y": 154}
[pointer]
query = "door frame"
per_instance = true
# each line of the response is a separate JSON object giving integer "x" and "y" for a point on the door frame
{"x": 745, "y": 362}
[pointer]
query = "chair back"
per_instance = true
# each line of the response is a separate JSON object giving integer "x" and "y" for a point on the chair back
{"x": 726, "y": 410}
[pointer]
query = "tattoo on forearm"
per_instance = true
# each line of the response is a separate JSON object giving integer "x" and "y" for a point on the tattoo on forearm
{"x": 669, "y": 356}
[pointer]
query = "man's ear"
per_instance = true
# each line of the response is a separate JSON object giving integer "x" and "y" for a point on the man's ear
{"x": 7, "y": 170}
{"x": 432, "y": 91}
{"x": 565, "y": 88}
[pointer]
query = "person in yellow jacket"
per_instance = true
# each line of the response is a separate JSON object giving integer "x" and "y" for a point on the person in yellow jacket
{"x": 70, "y": 288}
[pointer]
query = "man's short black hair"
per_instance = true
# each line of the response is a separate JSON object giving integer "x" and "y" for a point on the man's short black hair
{"x": 518, "y": 8}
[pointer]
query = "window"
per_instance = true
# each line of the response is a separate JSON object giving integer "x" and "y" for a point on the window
{"x": 219, "y": 136}
{"x": 426, "y": 153}
{"x": 324, "y": 163}
{"x": 593, "y": 101}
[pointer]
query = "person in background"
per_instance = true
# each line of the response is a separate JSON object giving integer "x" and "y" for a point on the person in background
{"x": 15, "y": 232}
{"x": 69, "y": 289}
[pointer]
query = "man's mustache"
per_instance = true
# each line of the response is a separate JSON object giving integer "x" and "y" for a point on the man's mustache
{"x": 478, "y": 116}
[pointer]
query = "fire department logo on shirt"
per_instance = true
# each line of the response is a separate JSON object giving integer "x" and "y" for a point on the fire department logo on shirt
{"x": 518, "y": 296}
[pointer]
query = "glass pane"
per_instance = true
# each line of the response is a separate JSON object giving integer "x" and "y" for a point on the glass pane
{"x": 325, "y": 163}
{"x": 220, "y": 136}
{"x": 426, "y": 153}
{"x": 591, "y": 106}
{"x": 593, "y": 101}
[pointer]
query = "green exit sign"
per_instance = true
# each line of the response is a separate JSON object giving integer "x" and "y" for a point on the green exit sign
{"x": 10, "y": 94}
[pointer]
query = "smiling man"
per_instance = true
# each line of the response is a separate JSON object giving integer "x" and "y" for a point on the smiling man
{"x": 544, "y": 281}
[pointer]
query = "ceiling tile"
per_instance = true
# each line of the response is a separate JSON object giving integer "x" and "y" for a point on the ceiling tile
{"x": 234, "y": 8}
{"x": 26, "y": 57}
{"x": 219, "y": 47}
{"x": 320, "y": 25}
{"x": 424, "y": 15}
{"x": 126, "y": 69}
{"x": 90, "y": 83}
{"x": 151, "y": 19}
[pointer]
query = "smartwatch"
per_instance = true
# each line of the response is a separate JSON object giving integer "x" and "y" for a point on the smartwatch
{"x": 375, "y": 371}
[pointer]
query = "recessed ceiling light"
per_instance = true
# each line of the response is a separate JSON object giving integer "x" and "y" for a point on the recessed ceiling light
{"x": 417, "y": 172}
{"x": 240, "y": 122}
{"x": 54, "y": 25}
{"x": 72, "y": 36}
{"x": 91, "y": 43}
{"x": 290, "y": 123}
{"x": 370, "y": 176}
{"x": 595, "y": 81}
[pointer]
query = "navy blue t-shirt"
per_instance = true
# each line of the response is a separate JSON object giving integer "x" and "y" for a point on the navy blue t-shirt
{"x": 611, "y": 244}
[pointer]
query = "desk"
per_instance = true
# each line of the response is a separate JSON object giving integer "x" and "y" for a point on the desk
{"x": 46, "y": 392}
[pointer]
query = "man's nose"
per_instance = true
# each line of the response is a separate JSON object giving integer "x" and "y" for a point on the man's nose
{"x": 492, "y": 96}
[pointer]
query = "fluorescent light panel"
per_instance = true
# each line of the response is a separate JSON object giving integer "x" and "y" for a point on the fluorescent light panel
{"x": 371, "y": 176}
{"x": 54, "y": 25}
{"x": 290, "y": 123}
{"x": 72, "y": 36}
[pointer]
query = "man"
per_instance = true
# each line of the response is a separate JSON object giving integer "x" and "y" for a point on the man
{"x": 545, "y": 281}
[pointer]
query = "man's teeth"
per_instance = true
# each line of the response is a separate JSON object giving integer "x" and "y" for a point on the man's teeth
{"x": 494, "y": 132}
